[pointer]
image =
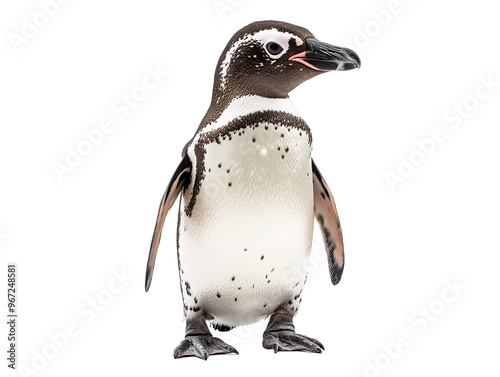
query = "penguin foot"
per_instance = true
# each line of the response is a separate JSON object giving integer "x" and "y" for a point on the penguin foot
{"x": 199, "y": 341}
{"x": 280, "y": 336}
{"x": 290, "y": 341}
{"x": 202, "y": 346}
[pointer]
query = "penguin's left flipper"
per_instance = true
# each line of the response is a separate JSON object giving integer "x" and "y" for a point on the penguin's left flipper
{"x": 179, "y": 180}
{"x": 328, "y": 219}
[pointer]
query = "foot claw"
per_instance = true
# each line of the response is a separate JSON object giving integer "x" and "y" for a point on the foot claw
{"x": 224, "y": 346}
{"x": 202, "y": 346}
{"x": 290, "y": 341}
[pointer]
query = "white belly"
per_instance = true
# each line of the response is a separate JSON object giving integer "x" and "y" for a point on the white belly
{"x": 244, "y": 249}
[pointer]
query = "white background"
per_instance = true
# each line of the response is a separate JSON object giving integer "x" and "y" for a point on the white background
{"x": 402, "y": 246}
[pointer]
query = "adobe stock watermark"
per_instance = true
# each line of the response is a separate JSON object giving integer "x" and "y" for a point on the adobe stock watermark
{"x": 379, "y": 20}
{"x": 454, "y": 117}
{"x": 32, "y": 26}
{"x": 419, "y": 321}
{"x": 221, "y": 7}
{"x": 121, "y": 107}
{"x": 86, "y": 311}
{"x": 3, "y": 237}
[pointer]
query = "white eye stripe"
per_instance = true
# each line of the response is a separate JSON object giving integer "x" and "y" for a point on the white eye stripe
{"x": 262, "y": 37}
{"x": 280, "y": 37}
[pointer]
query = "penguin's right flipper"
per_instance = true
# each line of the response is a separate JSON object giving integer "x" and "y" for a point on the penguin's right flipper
{"x": 179, "y": 180}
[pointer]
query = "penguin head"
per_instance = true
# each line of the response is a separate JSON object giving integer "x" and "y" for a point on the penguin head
{"x": 271, "y": 58}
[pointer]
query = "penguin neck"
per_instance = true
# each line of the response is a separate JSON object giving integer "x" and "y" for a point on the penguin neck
{"x": 246, "y": 105}
{"x": 227, "y": 108}
{"x": 221, "y": 101}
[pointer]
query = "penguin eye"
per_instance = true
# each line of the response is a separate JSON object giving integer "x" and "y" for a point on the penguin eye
{"x": 274, "y": 48}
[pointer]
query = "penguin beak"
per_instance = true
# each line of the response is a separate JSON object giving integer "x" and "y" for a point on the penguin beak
{"x": 326, "y": 57}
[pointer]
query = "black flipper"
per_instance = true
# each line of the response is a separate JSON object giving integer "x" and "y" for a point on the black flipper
{"x": 328, "y": 219}
{"x": 179, "y": 180}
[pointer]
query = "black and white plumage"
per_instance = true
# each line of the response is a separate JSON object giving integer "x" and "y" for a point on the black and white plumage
{"x": 250, "y": 192}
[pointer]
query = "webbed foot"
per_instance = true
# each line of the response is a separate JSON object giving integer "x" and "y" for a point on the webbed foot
{"x": 280, "y": 336}
{"x": 290, "y": 341}
{"x": 202, "y": 346}
{"x": 199, "y": 341}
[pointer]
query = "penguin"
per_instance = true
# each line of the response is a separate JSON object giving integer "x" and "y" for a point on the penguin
{"x": 249, "y": 193}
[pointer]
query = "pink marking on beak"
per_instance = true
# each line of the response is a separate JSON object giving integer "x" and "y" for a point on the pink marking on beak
{"x": 297, "y": 58}
{"x": 299, "y": 55}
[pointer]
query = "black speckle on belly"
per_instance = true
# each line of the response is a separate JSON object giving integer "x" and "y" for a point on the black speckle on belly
{"x": 188, "y": 288}
{"x": 220, "y": 327}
